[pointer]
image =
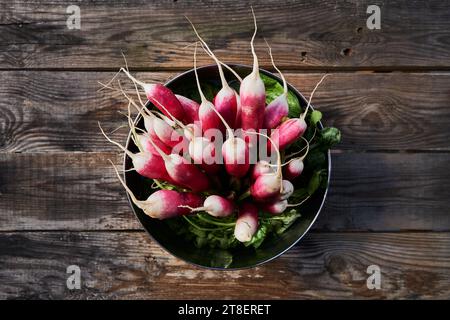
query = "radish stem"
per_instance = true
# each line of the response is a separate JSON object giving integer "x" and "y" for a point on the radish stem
{"x": 285, "y": 88}
{"x": 255, "y": 59}
{"x": 128, "y": 153}
{"x": 229, "y": 130}
{"x": 298, "y": 204}
{"x": 219, "y": 66}
{"x": 312, "y": 94}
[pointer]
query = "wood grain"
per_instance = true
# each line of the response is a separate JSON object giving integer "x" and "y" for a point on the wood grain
{"x": 387, "y": 192}
{"x": 154, "y": 34}
{"x": 71, "y": 191}
{"x": 54, "y": 112}
{"x": 368, "y": 192}
{"x": 128, "y": 265}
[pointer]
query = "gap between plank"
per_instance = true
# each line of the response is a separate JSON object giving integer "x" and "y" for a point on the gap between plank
{"x": 308, "y": 69}
{"x": 143, "y": 231}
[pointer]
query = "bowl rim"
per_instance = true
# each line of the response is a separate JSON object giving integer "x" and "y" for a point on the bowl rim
{"x": 290, "y": 87}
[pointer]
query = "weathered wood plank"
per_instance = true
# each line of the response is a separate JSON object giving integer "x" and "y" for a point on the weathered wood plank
{"x": 62, "y": 191}
{"x": 154, "y": 34}
{"x": 369, "y": 191}
{"x": 47, "y": 111}
{"x": 128, "y": 265}
{"x": 372, "y": 191}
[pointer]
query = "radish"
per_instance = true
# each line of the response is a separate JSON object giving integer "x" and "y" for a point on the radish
{"x": 268, "y": 185}
{"x": 260, "y": 168}
{"x": 192, "y": 130}
{"x": 166, "y": 133}
{"x": 275, "y": 208}
{"x": 288, "y": 190}
{"x": 280, "y": 206}
{"x": 216, "y": 206}
{"x": 225, "y": 100}
{"x": 279, "y": 107}
{"x": 234, "y": 150}
{"x": 145, "y": 163}
{"x": 150, "y": 123}
{"x": 290, "y": 130}
{"x": 237, "y": 122}
{"x": 203, "y": 152}
{"x": 246, "y": 223}
{"x": 294, "y": 167}
{"x": 190, "y": 108}
{"x": 144, "y": 141}
{"x": 161, "y": 131}
{"x": 168, "y": 102}
{"x": 235, "y": 154}
{"x": 183, "y": 172}
{"x": 252, "y": 93}
{"x": 164, "y": 204}
{"x": 209, "y": 119}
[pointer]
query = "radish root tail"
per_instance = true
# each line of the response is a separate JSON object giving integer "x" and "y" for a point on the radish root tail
{"x": 255, "y": 58}
{"x": 312, "y": 94}
{"x": 128, "y": 153}
{"x": 211, "y": 54}
{"x": 285, "y": 89}
{"x": 132, "y": 196}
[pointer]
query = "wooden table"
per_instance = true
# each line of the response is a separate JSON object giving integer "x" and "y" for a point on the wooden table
{"x": 389, "y": 93}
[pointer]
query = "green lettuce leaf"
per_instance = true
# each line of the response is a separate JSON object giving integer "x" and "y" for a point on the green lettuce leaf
{"x": 275, "y": 89}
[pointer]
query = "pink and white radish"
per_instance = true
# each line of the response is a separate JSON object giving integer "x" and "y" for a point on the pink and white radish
{"x": 145, "y": 163}
{"x": 183, "y": 172}
{"x": 275, "y": 208}
{"x": 235, "y": 154}
{"x": 209, "y": 119}
{"x": 269, "y": 185}
{"x": 164, "y": 204}
{"x": 260, "y": 168}
{"x": 246, "y": 223}
{"x": 234, "y": 150}
{"x": 288, "y": 190}
{"x": 294, "y": 167}
{"x": 237, "y": 122}
{"x": 279, "y": 107}
{"x": 190, "y": 108}
{"x": 216, "y": 206}
{"x": 292, "y": 129}
{"x": 225, "y": 100}
{"x": 192, "y": 130}
{"x": 142, "y": 141}
{"x": 159, "y": 129}
{"x": 167, "y": 101}
{"x": 150, "y": 123}
{"x": 203, "y": 152}
{"x": 252, "y": 93}
{"x": 279, "y": 206}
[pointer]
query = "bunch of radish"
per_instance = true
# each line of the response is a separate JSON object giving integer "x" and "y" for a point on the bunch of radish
{"x": 195, "y": 172}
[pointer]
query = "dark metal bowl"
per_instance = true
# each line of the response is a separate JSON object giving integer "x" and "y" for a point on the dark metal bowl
{"x": 242, "y": 257}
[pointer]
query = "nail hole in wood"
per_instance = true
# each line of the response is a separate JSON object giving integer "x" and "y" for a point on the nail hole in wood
{"x": 346, "y": 52}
